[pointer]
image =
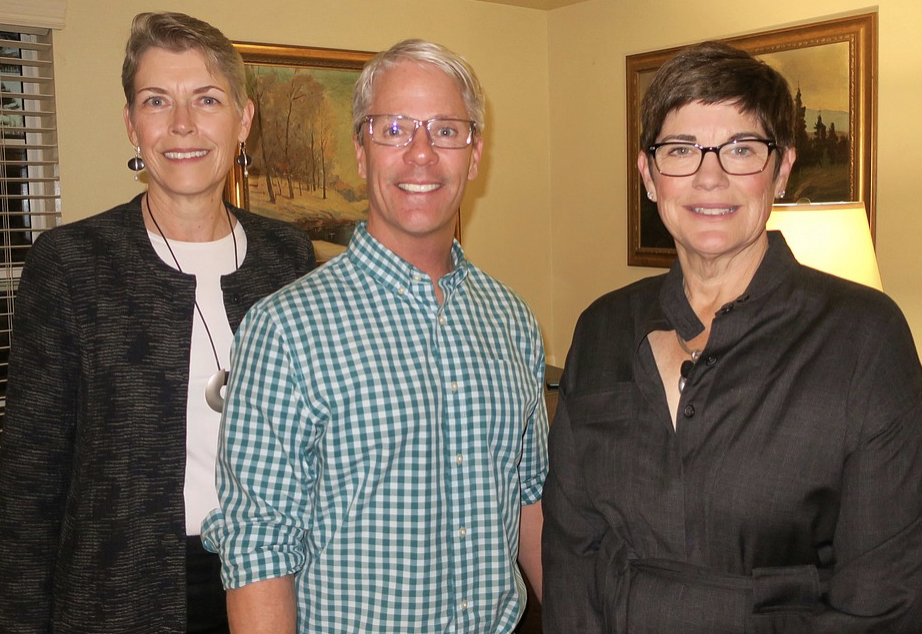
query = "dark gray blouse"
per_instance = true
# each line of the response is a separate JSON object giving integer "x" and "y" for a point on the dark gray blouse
{"x": 788, "y": 499}
{"x": 92, "y": 528}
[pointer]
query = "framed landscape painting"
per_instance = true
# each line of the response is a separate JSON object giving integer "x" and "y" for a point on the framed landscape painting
{"x": 831, "y": 69}
{"x": 303, "y": 167}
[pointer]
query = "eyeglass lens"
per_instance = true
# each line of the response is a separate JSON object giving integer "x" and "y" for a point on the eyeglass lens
{"x": 738, "y": 158}
{"x": 398, "y": 131}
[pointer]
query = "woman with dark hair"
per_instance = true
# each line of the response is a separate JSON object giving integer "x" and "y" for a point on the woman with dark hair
{"x": 738, "y": 443}
{"x": 121, "y": 339}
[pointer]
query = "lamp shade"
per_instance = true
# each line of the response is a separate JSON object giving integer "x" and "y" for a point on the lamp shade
{"x": 832, "y": 237}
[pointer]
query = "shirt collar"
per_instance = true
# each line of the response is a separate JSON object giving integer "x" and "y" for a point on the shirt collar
{"x": 394, "y": 272}
{"x": 676, "y": 313}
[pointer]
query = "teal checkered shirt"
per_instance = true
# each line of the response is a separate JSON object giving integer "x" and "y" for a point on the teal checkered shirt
{"x": 380, "y": 446}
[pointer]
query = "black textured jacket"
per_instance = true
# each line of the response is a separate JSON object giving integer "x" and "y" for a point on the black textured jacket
{"x": 92, "y": 527}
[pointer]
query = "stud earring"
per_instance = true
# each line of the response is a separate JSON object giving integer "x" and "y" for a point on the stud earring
{"x": 243, "y": 159}
{"x": 781, "y": 194}
{"x": 651, "y": 196}
{"x": 136, "y": 163}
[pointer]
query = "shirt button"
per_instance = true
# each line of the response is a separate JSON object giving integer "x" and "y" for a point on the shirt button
{"x": 463, "y": 604}
{"x": 454, "y": 386}
{"x": 459, "y": 459}
{"x": 417, "y": 277}
{"x": 401, "y": 290}
{"x": 689, "y": 411}
{"x": 442, "y": 320}
{"x": 711, "y": 360}
{"x": 462, "y": 532}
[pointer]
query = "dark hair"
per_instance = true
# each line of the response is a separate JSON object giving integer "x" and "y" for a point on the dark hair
{"x": 178, "y": 32}
{"x": 714, "y": 72}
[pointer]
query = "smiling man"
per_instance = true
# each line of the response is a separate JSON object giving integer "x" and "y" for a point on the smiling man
{"x": 384, "y": 439}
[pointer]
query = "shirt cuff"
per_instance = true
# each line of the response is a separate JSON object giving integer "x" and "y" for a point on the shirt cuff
{"x": 532, "y": 489}
{"x": 214, "y": 531}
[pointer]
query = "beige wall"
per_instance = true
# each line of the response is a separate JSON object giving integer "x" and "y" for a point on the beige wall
{"x": 547, "y": 214}
{"x": 587, "y": 44}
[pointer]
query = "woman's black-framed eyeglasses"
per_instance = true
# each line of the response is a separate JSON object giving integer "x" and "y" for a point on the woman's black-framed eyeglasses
{"x": 741, "y": 157}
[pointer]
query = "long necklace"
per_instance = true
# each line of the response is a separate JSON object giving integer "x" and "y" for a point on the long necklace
{"x": 687, "y": 366}
{"x": 217, "y": 380}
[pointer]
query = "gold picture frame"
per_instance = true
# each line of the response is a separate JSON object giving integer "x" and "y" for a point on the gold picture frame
{"x": 844, "y": 49}
{"x": 303, "y": 163}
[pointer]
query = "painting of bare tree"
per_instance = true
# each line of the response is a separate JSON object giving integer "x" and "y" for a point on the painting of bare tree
{"x": 303, "y": 167}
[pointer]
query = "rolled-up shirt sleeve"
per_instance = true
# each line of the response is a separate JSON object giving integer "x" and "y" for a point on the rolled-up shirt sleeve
{"x": 264, "y": 481}
{"x": 533, "y": 466}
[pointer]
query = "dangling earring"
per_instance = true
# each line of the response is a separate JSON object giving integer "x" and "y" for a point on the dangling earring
{"x": 244, "y": 159}
{"x": 136, "y": 164}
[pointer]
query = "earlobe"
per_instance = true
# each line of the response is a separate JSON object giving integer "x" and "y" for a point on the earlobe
{"x": 246, "y": 120}
{"x": 129, "y": 126}
{"x": 359, "y": 156}
{"x": 477, "y": 151}
{"x": 643, "y": 166}
{"x": 784, "y": 172}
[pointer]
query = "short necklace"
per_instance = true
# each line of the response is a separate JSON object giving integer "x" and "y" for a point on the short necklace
{"x": 687, "y": 366}
{"x": 218, "y": 379}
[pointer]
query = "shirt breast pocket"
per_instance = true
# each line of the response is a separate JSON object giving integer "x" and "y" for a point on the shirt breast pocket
{"x": 501, "y": 398}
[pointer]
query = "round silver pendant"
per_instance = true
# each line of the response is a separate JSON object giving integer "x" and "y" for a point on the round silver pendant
{"x": 213, "y": 396}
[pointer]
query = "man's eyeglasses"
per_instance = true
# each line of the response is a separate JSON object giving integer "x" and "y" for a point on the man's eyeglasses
{"x": 738, "y": 158}
{"x": 396, "y": 130}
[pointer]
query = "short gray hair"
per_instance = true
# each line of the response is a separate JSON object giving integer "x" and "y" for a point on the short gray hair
{"x": 420, "y": 52}
{"x": 177, "y": 33}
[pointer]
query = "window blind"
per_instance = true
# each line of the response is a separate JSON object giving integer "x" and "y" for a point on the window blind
{"x": 30, "y": 197}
